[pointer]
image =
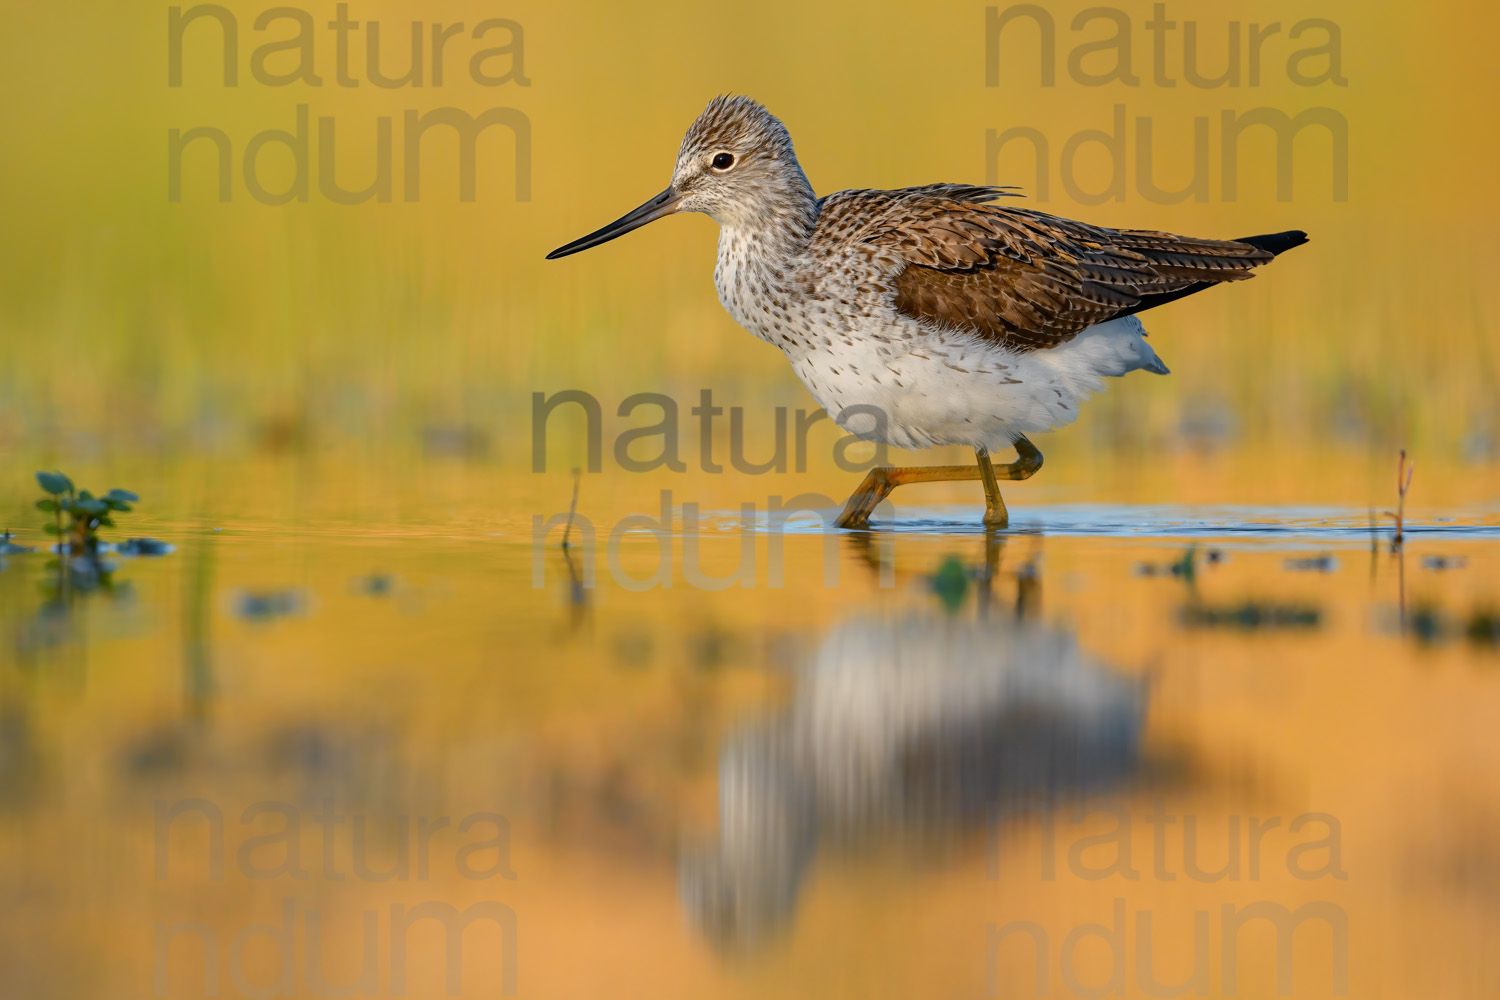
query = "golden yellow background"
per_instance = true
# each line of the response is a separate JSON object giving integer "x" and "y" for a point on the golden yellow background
{"x": 347, "y": 390}
{"x": 133, "y": 325}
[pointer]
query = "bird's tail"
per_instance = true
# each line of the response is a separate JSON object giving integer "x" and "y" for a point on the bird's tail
{"x": 1276, "y": 243}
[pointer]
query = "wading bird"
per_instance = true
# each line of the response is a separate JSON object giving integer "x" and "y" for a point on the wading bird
{"x": 900, "y": 730}
{"x": 927, "y": 316}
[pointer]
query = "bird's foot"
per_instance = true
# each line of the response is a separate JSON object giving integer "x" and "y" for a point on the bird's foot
{"x": 1028, "y": 461}
{"x": 876, "y": 487}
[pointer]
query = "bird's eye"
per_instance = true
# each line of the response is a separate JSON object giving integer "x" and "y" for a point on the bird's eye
{"x": 723, "y": 161}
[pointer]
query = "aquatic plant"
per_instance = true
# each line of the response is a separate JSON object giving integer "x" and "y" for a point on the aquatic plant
{"x": 85, "y": 513}
{"x": 1431, "y": 625}
{"x": 1184, "y": 568}
{"x": 1404, "y": 472}
{"x": 950, "y": 583}
{"x": 572, "y": 509}
{"x": 1252, "y": 615}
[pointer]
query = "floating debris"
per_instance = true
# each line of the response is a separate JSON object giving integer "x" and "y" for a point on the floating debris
{"x": 375, "y": 585}
{"x": 10, "y": 548}
{"x": 268, "y": 605}
{"x": 1252, "y": 615}
{"x": 1185, "y": 568}
{"x": 144, "y": 547}
{"x": 1312, "y": 564}
{"x": 1439, "y": 564}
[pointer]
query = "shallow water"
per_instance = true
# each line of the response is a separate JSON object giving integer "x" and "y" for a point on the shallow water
{"x": 1262, "y": 523}
{"x": 914, "y": 762}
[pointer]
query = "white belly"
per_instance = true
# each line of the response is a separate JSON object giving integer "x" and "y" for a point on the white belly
{"x": 946, "y": 387}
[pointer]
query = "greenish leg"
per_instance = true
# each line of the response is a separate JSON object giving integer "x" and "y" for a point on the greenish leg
{"x": 879, "y": 483}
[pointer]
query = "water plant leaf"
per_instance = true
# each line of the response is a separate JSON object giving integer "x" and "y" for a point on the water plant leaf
{"x": 50, "y": 506}
{"x": 51, "y": 529}
{"x": 1187, "y": 566}
{"x": 89, "y": 505}
{"x": 950, "y": 582}
{"x": 54, "y": 482}
{"x": 120, "y": 496}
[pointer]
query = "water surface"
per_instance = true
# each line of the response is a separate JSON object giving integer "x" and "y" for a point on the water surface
{"x": 932, "y": 778}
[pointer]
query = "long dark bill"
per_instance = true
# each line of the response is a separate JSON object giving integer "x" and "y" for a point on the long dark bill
{"x": 663, "y": 204}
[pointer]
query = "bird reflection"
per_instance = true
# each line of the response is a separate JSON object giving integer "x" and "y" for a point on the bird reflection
{"x": 903, "y": 726}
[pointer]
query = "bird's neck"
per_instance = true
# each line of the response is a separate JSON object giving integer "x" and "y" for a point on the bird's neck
{"x": 780, "y": 223}
{"x": 760, "y": 254}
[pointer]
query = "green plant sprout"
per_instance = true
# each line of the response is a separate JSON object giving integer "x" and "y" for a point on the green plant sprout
{"x": 85, "y": 513}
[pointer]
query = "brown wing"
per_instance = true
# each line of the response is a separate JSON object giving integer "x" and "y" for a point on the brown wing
{"x": 1032, "y": 280}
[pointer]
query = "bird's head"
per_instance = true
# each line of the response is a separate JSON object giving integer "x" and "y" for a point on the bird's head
{"x": 735, "y": 165}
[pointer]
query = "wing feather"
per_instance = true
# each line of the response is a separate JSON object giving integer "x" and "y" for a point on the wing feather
{"x": 1025, "y": 278}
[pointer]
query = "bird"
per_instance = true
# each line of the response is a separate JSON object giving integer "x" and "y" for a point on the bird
{"x": 901, "y": 728}
{"x": 928, "y": 316}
